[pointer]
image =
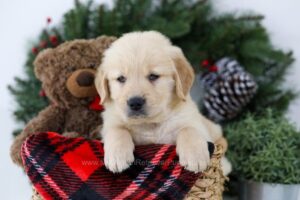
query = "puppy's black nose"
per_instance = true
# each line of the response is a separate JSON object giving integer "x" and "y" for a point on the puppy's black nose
{"x": 136, "y": 103}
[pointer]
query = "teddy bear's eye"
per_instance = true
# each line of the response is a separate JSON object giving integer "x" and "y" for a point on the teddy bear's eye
{"x": 71, "y": 68}
{"x": 92, "y": 65}
{"x": 121, "y": 79}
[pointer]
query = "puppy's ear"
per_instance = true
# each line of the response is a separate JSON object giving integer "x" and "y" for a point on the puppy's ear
{"x": 184, "y": 73}
{"x": 101, "y": 83}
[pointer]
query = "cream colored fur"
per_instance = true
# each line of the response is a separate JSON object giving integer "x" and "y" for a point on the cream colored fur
{"x": 172, "y": 117}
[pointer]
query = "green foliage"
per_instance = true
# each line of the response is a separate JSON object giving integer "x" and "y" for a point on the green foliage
{"x": 76, "y": 21}
{"x": 265, "y": 148}
{"x": 192, "y": 25}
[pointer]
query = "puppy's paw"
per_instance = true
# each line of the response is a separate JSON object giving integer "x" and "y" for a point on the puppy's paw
{"x": 117, "y": 158}
{"x": 194, "y": 156}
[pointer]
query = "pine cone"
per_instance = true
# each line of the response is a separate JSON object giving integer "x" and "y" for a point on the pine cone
{"x": 228, "y": 90}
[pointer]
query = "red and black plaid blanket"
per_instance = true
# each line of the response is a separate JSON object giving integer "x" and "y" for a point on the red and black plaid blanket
{"x": 73, "y": 168}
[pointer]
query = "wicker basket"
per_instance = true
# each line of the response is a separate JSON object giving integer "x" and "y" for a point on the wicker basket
{"x": 209, "y": 186}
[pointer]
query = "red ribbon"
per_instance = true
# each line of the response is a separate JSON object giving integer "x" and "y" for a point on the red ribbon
{"x": 95, "y": 105}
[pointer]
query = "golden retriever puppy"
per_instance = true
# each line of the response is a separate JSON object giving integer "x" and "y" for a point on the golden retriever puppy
{"x": 144, "y": 83}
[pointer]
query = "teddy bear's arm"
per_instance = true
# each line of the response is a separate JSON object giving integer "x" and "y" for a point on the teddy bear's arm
{"x": 50, "y": 119}
{"x": 95, "y": 132}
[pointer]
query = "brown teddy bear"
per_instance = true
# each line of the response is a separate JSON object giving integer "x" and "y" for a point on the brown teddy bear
{"x": 67, "y": 76}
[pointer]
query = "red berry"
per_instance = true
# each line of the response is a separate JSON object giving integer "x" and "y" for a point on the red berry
{"x": 34, "y": 50}
{"x": 205, "y": 63}
{"x": 43, "y": 44}
{"x": 49, "y": 20}
{"x": 42, "y": 93}
{"x": 53, "y": 39}
{"x": 213, "y": 68}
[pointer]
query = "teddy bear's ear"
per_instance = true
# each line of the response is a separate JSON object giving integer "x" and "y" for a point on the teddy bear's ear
{"x": 42, "y": 63}
{"x": 103, "y": 42}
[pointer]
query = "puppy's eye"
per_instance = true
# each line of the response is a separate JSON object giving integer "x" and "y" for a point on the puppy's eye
{"x": 121, "y": 79}
{"x": 153, "y": 77}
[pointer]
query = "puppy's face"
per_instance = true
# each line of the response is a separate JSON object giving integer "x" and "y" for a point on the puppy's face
{"x": 142, "y": 76}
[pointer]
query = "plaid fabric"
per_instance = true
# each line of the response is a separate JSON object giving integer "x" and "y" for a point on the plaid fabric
{"x": 73, "y": 168}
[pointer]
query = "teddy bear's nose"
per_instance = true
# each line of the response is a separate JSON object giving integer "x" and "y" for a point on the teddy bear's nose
{"x": 85, "y": 79}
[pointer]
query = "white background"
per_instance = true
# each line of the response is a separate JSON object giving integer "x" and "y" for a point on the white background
{"x": 21, "y": 21}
